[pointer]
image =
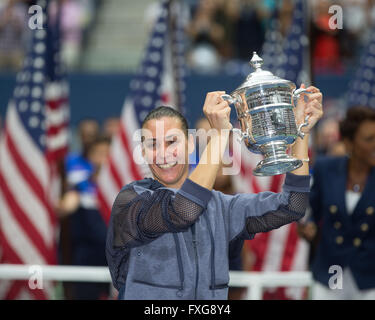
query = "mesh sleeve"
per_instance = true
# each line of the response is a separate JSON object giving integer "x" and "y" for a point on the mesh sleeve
{"x": 292, "y": 211}
{"x": 140, "y": 218}
{"x": 117, "y": 259}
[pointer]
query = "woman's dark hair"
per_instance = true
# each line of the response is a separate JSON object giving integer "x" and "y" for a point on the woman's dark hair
{"x": 165, "y": 111}
{"x": 355, "y": 116}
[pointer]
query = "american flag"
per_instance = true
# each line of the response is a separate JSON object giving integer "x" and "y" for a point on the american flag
{"x": 362, "y": 87}
{"x": 34, "y": 138}
{"x": 159, "y": 80}
{"x": 288, "y": 57}
{"x": 281, "y": 249}
{"x": 272, "y": 48}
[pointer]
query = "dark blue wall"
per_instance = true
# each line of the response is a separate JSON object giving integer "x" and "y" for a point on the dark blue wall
{"x": 102, "y": 95}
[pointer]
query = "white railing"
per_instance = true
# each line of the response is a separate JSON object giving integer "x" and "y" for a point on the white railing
{"x": 255, "y": 281}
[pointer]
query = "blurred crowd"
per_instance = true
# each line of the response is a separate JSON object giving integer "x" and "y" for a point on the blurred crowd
{"x": 76, "y": 20}
{"x": 221, "y": 31}
{"x": 82, "y": 228}
{"x": 218, "y": 31}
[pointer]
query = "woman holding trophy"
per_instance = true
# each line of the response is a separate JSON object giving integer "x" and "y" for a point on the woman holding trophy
{"x": 169, "y": 235}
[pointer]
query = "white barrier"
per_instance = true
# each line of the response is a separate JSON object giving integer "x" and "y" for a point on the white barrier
{"x": 58, "y": 273}
{"x": 255, "y": 281}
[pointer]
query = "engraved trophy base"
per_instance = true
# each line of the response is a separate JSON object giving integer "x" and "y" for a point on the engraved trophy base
{"x": 275, "y": 161}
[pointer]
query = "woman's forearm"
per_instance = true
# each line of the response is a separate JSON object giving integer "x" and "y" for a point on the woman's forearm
{"x": 300, "y": 150}
{"x": 210, "y": 161}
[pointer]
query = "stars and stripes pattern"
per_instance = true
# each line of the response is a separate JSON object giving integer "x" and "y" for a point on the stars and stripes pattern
{"x": 31, "y": 142}
{"x": 159, "y": 80}
{"x": 280, "y": 249}
{"x": 362, "y": 87}
{"x": 272, "y": 48}
{"x": 288, "y": 57}
{"x": 56, "y": 97}
{"x": 293, "y": 63}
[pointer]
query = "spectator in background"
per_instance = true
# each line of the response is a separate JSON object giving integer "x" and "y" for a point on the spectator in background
{"x": 72, "y": 26}
{"x": 86, "y": 225}
{"x": 356, "y": 21}
{"x": 152, "y": 12}
{"x": 371, "y": 12}
{"x": 328, "y": 138}
{"x": 225, "y": 30}
{"x": 76, "y": 19}
{"x": 78, "y": 170}
{"x": 326, "y": 50}
{"x": 343, "y": 210}
{"x": 77, "y": 165}
{"x": 249, "y": 34}
{"x": 226, "y": 15}
{"x": 88, "y": 131}
{"x": 337, "y": 149}
{"x": 206, "y": 37}
{"x": 285, "y": 15}
{"x": 13, "y": 27}
{"x": 111, "y": 127}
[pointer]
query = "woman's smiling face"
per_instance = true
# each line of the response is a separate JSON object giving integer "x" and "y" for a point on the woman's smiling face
{"x": 165, "y": 149}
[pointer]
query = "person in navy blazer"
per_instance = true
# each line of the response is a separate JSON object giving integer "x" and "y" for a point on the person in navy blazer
{"x": 342, "y": 201}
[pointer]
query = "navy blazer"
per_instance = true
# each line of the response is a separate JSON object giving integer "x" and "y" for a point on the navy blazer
{"x": 346, "y": 240}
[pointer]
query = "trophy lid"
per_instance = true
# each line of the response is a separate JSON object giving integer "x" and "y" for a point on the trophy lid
{"x": 260, "y": 76}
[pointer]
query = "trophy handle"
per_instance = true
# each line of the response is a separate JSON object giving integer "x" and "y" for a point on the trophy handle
{"x": 305, "y": 124}
{"x": 241, "y": 134}
{"x": 297, "y": 92}
{"x": 296, "y": 95}
{"x": 229, "y": 98}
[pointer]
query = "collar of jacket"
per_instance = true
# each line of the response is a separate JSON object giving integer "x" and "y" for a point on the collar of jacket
{"x": 150, "y": 183}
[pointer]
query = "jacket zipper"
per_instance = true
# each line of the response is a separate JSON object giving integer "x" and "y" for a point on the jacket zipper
{"x": 196, "y": 261}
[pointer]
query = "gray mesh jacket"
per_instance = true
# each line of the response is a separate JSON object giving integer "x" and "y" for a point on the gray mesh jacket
{"x": 173, "y": 244}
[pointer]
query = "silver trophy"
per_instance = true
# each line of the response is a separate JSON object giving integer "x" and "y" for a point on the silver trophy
{"x": 264, "y": 104}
